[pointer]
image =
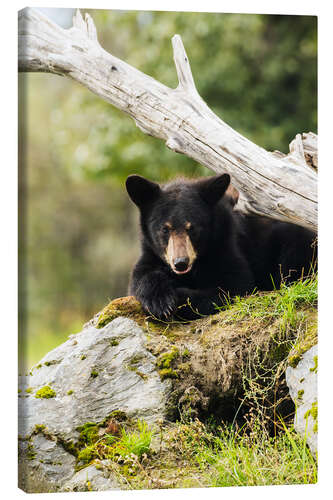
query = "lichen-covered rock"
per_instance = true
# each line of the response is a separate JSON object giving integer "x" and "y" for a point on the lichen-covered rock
{"x": 302, "y": 383}
{"x": 95, "y": 373}
{"x": 125, "y": 366}
{"x": 91, "y": 479}
{"x": 44, "y": 464}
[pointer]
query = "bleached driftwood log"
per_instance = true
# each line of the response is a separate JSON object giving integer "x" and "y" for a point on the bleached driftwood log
{"x": 280, "y": 186}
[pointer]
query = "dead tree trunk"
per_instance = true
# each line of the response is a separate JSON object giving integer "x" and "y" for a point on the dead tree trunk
{"x": 280, "y": 186}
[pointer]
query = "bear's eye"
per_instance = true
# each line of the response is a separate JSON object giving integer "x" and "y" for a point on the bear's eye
{"x": 165, "y": 230}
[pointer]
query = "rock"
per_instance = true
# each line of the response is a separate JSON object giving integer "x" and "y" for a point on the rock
{"x": 91, "y": 479}
{"x": 302, "y": 384}
{"x": 44, "y": 464}
{"x": 124, "y": 366}
{"x": 86, "y": 379}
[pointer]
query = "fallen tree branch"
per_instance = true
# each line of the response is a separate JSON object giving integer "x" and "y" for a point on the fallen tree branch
{"x": 279, "y": 186}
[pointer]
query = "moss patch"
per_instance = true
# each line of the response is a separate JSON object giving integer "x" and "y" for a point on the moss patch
{"x": 167, "y": 373}
{"x": 114, "y": 342}
{"x": 88, "y": 433}
{"x": 45, "y": 392}
{"x": 300, "y": 395}
{"x": 165, "y": 359}
{"x": 313, "y": 412}
{"x": 129, "y": 307}
{"x": 87, "y": 454}
{"x": 315, "y": 368}
{"x": 39, "y": 428}
{"x": 31, "y": 454}
{"x": 124, "y": 306}
{"x": 50, "y": 363}
{"x": 307, "y": 339}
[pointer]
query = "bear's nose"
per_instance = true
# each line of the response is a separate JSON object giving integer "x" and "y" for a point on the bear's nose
{"x": 181, "y": 263}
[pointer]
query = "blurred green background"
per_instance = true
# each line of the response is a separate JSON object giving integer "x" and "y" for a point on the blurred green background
{"x": 78, "y": 230}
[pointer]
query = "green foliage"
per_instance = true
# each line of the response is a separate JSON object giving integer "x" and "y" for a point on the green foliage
{"x": 285, "y": 303}
{"x": 197, "y": 454}
{"x": 229, "y": 457}
{"x": 132, "y": 442}
{"x": 136, "y": 442}
{"x": 243, "y": 460}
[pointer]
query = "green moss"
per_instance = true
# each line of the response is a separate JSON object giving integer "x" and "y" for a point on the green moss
{"x": 313, "y": 412}
{"x": 87, "y": 454}
{"x": 83, "y": 357}
{"x": 114, "y": 342}
{"x": 300, "y": 395}
{"x": 315, "y": 368}
{"x": 45, "y": 392}
{"x": 94, "y": 374}
{"x": 135, "y": 360}
{"x": 133, "y": 367}
{"x": 39, "y": 366}
{"x": 279, "y": 349}
{"x": 117, "y": 415}
{"x": 184, "y": 367}
{"x": 124, "y": 306}
{"x": 88, "y": 433}
{"x": 138, "y": 372}
{"x": 50, "y": 363}
{"x": 165, "y": 359}
{"x": 167, "y": 373}
{"x": 70, "y": 392}
{"x": 87, "y": 447}
{"x": 294, "y": 359}
{"x": 307, "y": 339}
{"x": 69, "y": 446}
{"x": 28, "y": 390}
{"x": 39, "y": 428}
{"x": 31, "y": 454}
{"x": 165, "y": 328}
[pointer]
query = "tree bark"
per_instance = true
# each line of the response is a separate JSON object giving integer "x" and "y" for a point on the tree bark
{"x": 282, "y": 187}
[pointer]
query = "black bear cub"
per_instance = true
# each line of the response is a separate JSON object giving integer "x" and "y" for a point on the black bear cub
{"x": 197, "y": 252}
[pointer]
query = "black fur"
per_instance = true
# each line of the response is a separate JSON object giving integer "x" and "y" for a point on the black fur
{"x": 236, "y": 253}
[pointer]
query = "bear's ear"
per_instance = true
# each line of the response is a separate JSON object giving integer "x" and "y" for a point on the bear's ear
{"x": 213, "y": 188}
{"x": 232, "y": 195}
{"x": 141, "y": 190}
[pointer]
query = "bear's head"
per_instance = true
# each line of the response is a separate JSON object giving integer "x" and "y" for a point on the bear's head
{"x": 176, "y": 218}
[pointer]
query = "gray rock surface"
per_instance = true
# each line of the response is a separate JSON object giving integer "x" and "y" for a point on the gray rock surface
{"x": 302, "y": 383}
{"x": 93, "y": 374}
{"x": 91, "y": 479}
{"x": 44, "y": 464}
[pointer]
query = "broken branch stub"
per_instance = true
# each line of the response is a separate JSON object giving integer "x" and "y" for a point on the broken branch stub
{"x": 279, "y": 186}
